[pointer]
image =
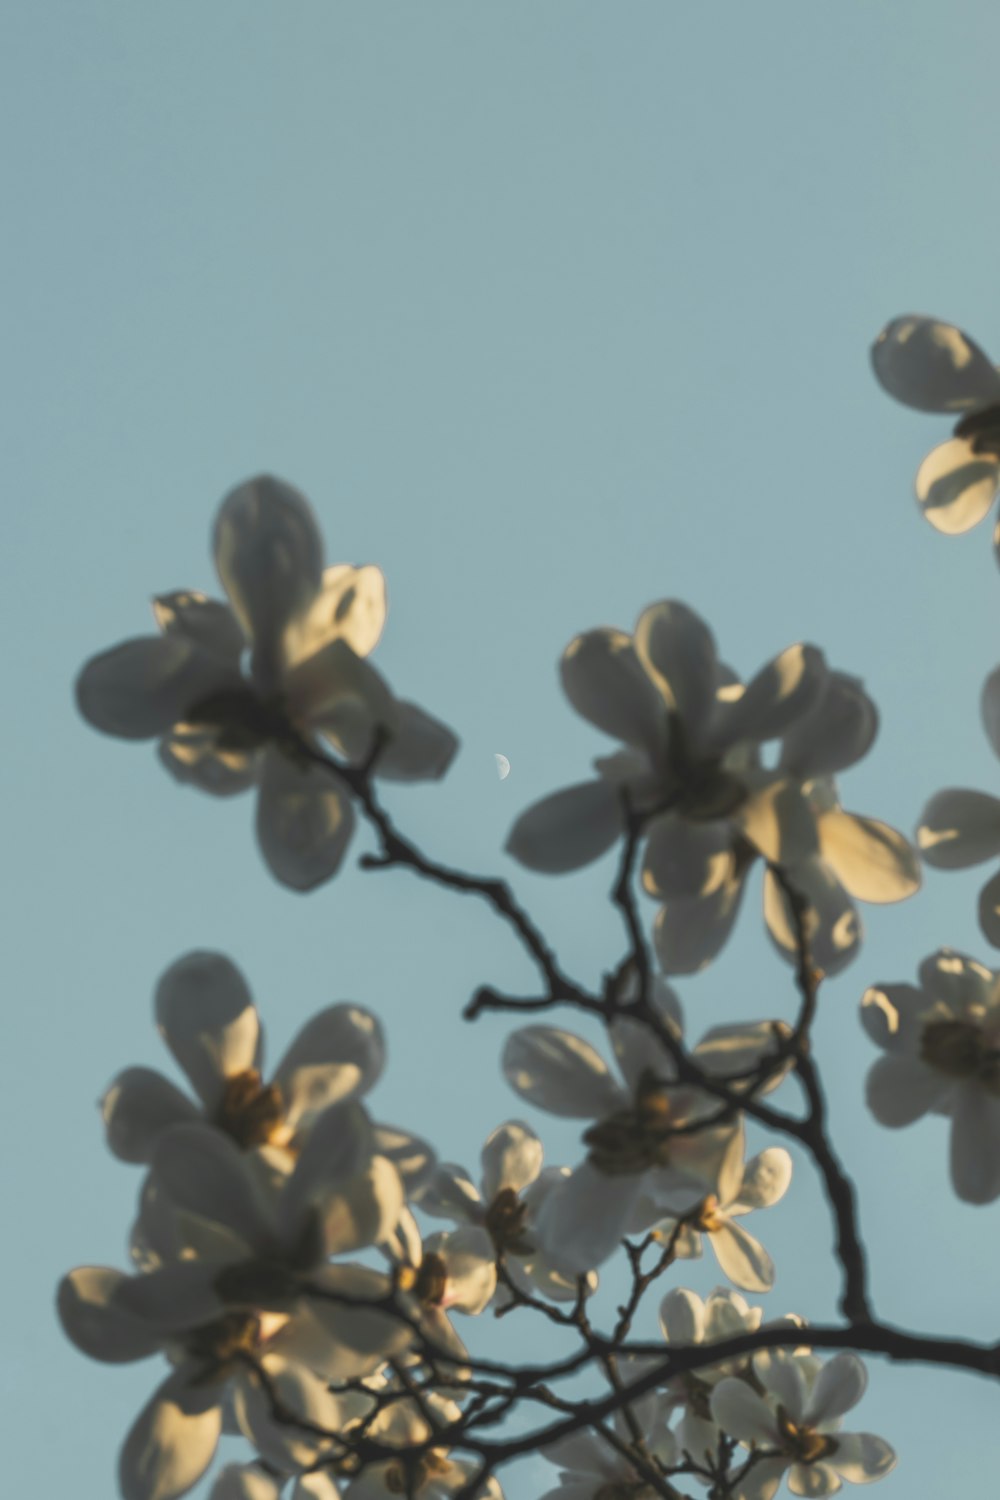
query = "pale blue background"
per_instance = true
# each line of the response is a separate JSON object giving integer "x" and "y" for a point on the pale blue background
{"x": 553, "y": 309}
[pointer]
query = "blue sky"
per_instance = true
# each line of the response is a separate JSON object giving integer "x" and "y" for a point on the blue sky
{"x": 552, "y": 310}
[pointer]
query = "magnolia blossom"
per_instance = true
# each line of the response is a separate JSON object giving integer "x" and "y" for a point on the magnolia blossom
{"x": 936, "y": 367}
{"x": 795, "y": 1424}
{"x": 942, "y": 1044}
{"x": 636, "y": 1157}
{"x": 593, "y": 1470}
{"x": 686, "y": 1320}
{"x": 433, "y": 1475}
{"x": 446, "y": 1272}
{"x": 206, "y": 1016}
{"x": 692, "y": 767}
{"x": 959, "y": 828}
{"x": 307, "y": 631}
{"x": 761, "y": 1182}
{"x": 512, "y": 1189}
{"x": 174, "y": 1439}
{"x": 226, "y": 1239}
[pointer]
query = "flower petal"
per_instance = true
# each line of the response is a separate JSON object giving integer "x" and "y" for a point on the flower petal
{"x": 209, "y": 623}
{"x": 95, "y": 1323}
{"x": 304, "y": 822}
{"x": 682, "y": 1317}
{"x": 814, "y": 1480}
{"x": 832, "y": 924}
{"x": 285, "y": 1444}
{"x": 835, "y": 733}
{"x": 890, "y": 1013}
{"x": 604, "y": 679}
{"x": 871, "y": 860}
{"x": 269, "y": 557}
{"x": 743, "y": 1414}
{"x": 338, "y": 1054}
{"x": 583, "y": 1219}
{"x": 779, "y": 822}
{"x": 956, "y": 486}
{"x": 336, "y": 1151}
{"x": 989, "y": 707}
{"x": 471, "y": 1266}
{"x": 678, "y": 651}
{"x": 862, "y": 1457}
{"x": 783, "y": 691}
{"x": 568, "y": 829}
{"x": 143, "y": 686}
{"x": 900, "y": 1089}
{"x": 412, "y": 1157}
{"x": 975, "y": 1145}
{"x": 241, "y": 1482}
{"x": 840, "y": 1385}
{"x": 421, "y": 748}
{"x": 685, "y": 859}
{"x": 959, "y": 828}
{"x": 178, "y": 1296}
{"x": 559, "y": 1072}
{"x": 688, "y": 934}
{"x": 347, "y": 1313}
{"x": 192, "y": 756}
{"x": 989, "y": 910}
{"x": 172, "y": 1441}
{"x": 742, "y": 1258}
{"x": 203, "y": 1172}
{"x": 765, "y": 1181}
{"x": 783, "y": 1376}
{"x": 350, "y": 606}
{"x": 511, "y": 1158}
{"x": 933, "y": 366}
{"x": 342, "y": 694}
{"x": 206, "y": 1016}
{"x": 138, "y": 1105}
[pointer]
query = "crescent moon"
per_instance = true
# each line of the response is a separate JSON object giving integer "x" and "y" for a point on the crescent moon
{"x": 503, "y": 766}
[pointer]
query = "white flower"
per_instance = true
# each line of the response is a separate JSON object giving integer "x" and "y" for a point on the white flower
{"x": 761, "y": 1182}
{"x": 206, "y": 1016}
{"x": 635, "y": 1151}
{"x": 959, "y": 828}
{"x": 307, "y": 631}
{"x": 174, "y": 1439}
{"x": 592, "y": 1470}
{"x": 686, "y": 1320}
{"x": 513, "y": 1188}
{"x": 435, "y": 1475}
{"x": 450, "y": 1271}
{"x": 942, "y": 1043}
{"x": 936, "y": 367}
{"x": 796, "y": 1423}
{"x": 228, "y": 1238}
{"x": 692, "y": 766}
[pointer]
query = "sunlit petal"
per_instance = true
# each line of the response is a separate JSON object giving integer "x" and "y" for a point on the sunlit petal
{"x": 840, "y": 1385}
{"x": 933, "y": 366}
{"x": 989, "y": 910}
{"x": 742, "y": 1258}
{"x": 193, "y": 758}
{"x": 788, "y": 687}
{"x": 765, "y": 1181}
{"x": 835, "y": 733}
{"x": 832, "y": 924}
{"x": 584, "y": 1218}
{"x": 511, "y": 1158}
{"x": 778, "y": 821}
{"x": 203, "y": 1172}
{"x": 560, "y": 1072}
{"x": 605, "y": 681}
{"x": 862, "y": 1457}
{"x": 678, "y": 651}
{"x": 240, "y": 1482}
{"x": 338, "y": 1054}
{"x": 283, "y": 1443}
{"x": 172, "y": 1442}
{"x": 742, "y": 1413}
{"x": 206, "y": 1016}
{"x": 685, "y": 859}
{"x": 682, "y": 1317}
{"x": 871, "y": 860}
{"x": 956, "y": 486}
{"x": 350, "y": 606}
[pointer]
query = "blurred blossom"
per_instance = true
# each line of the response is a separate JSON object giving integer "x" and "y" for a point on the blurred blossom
{"x": 942, "y": 1043}
{"x": 935, "y": 367}
{"x": 306, "y": 631}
